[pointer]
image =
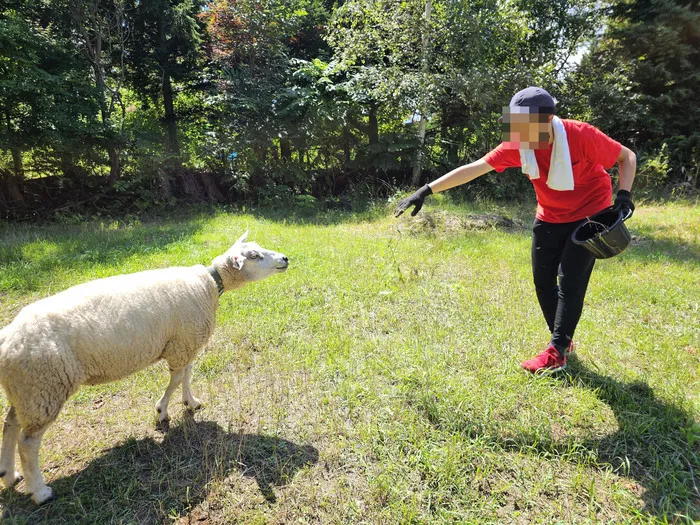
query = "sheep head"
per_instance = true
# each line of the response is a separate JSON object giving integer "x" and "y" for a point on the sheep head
{"x": 247, "y": 262}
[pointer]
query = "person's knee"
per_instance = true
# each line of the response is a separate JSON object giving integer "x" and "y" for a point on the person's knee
{"x": 571, "y": 288}
{"x": 545, "y": 286}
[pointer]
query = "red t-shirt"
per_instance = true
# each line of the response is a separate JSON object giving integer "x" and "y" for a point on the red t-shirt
{"x": 592, "y": 152}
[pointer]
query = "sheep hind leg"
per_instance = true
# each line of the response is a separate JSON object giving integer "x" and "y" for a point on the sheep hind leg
{"x": 10, "y": 435}
{"x": 191, "y": 402}
{"x": 176, "y": 377}
{"x": 29, "y": 443}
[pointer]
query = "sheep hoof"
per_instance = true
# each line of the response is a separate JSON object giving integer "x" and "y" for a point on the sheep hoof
{"x": 43, "y": 495}
{"x": 193, "y": 405}
{"x": 162, "y": 411}
{"x": 163, "y": 425}
{"x": 11, "y": 481}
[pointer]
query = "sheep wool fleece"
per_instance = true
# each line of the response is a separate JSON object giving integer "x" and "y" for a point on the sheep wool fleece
{"x": 102, "y": 331}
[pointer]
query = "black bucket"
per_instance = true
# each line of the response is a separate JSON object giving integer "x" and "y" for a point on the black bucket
{"x": 604, "y": 235}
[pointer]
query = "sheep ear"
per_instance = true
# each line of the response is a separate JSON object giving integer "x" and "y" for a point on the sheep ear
{"x": 237, "y": 261}
{"x": 243, "y": 238}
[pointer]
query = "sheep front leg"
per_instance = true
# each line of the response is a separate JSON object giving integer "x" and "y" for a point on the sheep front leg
{"x": 10, "y": 435}
{"x": 176, "y": 377}
{"x": 29, "y": 444}
{"x": 191, "y": 402}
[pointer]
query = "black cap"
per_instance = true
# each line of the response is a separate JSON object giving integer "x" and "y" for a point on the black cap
{"x": 536, "y": 99}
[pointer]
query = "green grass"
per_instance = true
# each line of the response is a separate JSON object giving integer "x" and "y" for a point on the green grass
{"x": 377, "y": 381}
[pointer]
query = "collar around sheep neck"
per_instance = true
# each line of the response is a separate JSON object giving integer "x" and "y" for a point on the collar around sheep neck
{"x": 217, "y": 279}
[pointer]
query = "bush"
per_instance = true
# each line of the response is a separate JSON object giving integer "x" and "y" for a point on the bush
{"x": 652, "y": 171}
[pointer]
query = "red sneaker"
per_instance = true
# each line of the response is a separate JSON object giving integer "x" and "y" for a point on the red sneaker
{"x": 547, "y": 362}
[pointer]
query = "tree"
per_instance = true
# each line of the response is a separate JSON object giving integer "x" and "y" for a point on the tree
{"x": 101, "y": 32}
{"x": 648, "y": 60}
{"x": 452, "y": 61}
{"x": 165, "y": 44}
{"x": 256, "y": 45}
{"x": 44, "y": 96}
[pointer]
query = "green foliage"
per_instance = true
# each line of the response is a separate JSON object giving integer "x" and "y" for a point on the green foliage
{"x": 653, "y": 172}
{"x": 166, "y": 39}
{"x": 640, "y": 82}
{"x": 269, "y": 98}
{"x": 45, "y": 96}
{"x": 458, "y": 69}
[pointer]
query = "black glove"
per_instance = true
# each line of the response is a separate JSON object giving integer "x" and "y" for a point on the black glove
{"x": 414, "y": 200}
{"x": 623, "y": 203}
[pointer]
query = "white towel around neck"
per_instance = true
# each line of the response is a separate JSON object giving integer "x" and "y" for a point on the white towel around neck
{"x": 561, "y": 176}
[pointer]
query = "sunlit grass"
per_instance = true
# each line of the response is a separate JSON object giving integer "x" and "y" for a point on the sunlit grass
{"x": 377, "y": 381}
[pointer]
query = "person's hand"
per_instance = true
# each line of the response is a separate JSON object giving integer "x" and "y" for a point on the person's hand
{"x": 414, "y": 200}
{"x": 623, "y": 203}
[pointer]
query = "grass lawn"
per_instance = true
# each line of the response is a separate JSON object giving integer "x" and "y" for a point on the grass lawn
{"x": 377, "y": 381}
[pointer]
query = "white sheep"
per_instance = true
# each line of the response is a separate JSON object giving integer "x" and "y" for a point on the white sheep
{"x": 104, "y": 330}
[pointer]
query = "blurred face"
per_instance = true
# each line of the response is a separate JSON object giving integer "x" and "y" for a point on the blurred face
{"x": 525, "y": 130}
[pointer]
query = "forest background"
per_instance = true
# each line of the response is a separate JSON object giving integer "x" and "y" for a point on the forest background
{"x": 117, "y": 106}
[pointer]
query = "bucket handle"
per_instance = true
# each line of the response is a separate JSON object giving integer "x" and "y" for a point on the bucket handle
{"x": 629, "y": 213}
{"x": 610, "y": 208}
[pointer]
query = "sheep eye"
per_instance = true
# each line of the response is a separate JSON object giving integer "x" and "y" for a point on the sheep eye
{"x": 255, "y": 255}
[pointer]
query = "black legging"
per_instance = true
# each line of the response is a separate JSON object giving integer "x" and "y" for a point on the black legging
{"x": 553, "y": 253}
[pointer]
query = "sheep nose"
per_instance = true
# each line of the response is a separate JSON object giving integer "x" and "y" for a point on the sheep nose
{"x": 285, "y": 259}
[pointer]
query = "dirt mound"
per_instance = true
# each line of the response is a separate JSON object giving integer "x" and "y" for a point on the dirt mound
{"x": 447, "y": 222}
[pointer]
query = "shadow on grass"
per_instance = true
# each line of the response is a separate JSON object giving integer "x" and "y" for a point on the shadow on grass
{"x": 348, "y": 212}
{"x": 650, "y": 446}
{"x": 29, "y": 257}
{"x": 145, "y": 481}
{"x": 648, "y": 247}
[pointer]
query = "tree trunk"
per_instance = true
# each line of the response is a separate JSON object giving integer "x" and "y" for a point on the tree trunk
{"x": 303, "y": 151}
{"x": 417, "y": 166}
{"x": 285, "y": 149}
{"x": 373, "y": 130}
{"x": 457, "y": 139}
{"x": 170, "y": 118}
{"x": 67, "y": 165}
{"x": 191, "y": 185}
{"x": 346, "y": 145}
{"x": 17, "y": 163}
{"x": 260, "y": 152}
{"x": 166, "y": 191}
{"x": 163, "y": 54}
{"x": 448, "y": 138}
{"x": 94, "y": 45}
{"x": 114, "y": 164}
{"x": 211, "y": 188}
{"x": 12, "y": 179}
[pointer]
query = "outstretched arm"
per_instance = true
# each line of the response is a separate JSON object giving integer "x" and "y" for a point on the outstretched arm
{"x": 460, "y": 176}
